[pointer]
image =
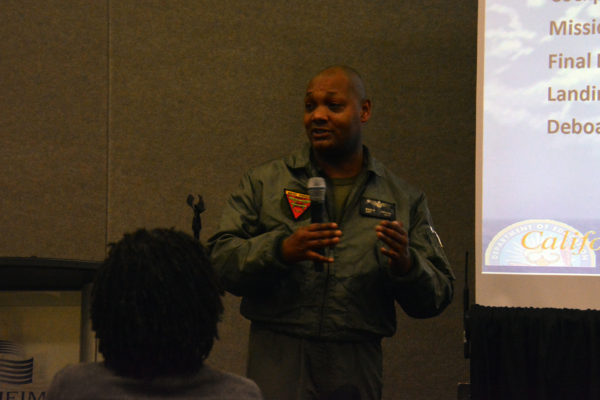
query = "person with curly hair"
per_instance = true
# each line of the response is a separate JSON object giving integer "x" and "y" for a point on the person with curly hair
{"x": 155, "y": 306}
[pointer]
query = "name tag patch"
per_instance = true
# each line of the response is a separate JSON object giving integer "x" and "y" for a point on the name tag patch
{"x": 377, "y": 209}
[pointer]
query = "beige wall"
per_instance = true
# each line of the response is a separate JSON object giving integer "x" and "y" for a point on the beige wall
{"x": 112, "y": 112}
{"x": 53, "y": 111}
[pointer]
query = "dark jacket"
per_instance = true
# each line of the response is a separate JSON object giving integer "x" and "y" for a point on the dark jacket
{"x": 353, "y": 298}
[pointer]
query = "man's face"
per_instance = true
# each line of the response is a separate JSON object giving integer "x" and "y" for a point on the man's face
{"x": 333, "y": 114}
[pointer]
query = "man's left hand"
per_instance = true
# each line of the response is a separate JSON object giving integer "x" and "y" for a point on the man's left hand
{"x": 395, "y": 237}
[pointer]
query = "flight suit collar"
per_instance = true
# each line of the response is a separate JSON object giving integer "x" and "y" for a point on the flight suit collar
{"x": 302, "y": 159}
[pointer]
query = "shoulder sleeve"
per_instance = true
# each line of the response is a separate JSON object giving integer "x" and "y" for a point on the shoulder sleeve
{"x": 427, "y": 289}
{"x": 244, "y": 254}
{"x": 57, "y": 389}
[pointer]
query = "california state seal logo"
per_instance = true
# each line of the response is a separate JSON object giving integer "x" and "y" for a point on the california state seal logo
{"x": 542, "y": 243}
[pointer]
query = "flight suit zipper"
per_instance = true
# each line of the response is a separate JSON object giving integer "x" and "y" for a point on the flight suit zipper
{"x": 351, "y": 201}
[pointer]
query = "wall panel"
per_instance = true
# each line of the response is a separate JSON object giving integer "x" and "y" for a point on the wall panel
{"x": 53, "y": 80}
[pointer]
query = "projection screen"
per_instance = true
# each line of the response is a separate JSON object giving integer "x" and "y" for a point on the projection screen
{"x": 538, "y": 152}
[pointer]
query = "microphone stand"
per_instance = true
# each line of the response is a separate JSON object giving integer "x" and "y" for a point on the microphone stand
{"x": 464, "y": 389}
{"x": 198, "y": 208}
{"x": 466, "y": 308}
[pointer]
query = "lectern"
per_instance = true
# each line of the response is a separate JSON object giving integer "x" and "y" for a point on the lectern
{"x": 48, "y": 274}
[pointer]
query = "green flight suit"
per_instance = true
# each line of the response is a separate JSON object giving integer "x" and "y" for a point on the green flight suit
{"x": 352, "y": 300}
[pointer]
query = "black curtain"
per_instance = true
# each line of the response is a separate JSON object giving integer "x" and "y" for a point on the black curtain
{"x": 529, "y": 353}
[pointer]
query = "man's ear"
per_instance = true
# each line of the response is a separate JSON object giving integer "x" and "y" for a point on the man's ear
{"x": 365, "y": 111}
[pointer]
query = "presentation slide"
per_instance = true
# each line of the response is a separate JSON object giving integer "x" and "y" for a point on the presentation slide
{"x": 538, "y": 151}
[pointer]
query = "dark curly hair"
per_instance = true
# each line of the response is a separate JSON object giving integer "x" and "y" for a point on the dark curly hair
{"x": 155, "y": 305}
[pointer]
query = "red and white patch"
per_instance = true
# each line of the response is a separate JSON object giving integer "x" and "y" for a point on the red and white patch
{"x": 298, "y": 202}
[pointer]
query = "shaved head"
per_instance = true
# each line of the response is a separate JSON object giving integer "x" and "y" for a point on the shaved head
{"x": 356, "y": 82}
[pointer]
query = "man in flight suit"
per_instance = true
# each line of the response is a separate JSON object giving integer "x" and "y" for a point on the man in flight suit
{"x": 314, "y": 331}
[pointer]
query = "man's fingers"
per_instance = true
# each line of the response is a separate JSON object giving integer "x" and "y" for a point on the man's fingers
{"x": 388, "y": 253}
{"x": 389, "y": 234}
{"x": 313, "y": 255}
{"x": 394, "y": 240}
{"x": 322, "y": 235}
{"x": 392, "y": 233}
{"x": 396, "y": 225}
{"x": 305, "y": 242}
{"x": 322, "y": 226}
{"x": 323, "y": 242}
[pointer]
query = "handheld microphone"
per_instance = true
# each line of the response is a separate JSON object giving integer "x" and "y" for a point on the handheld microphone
{"x": 316, "y": 192}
